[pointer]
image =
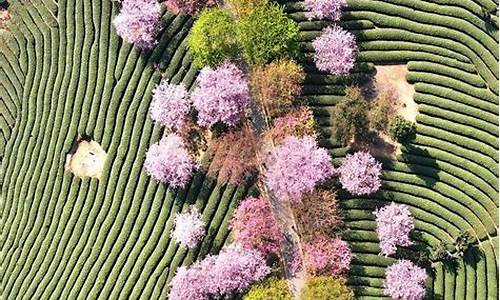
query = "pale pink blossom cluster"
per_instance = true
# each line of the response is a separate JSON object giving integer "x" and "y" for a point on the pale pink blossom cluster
{"x": 394, "y": 224}
{"x": 296, "y": 166}
{"x": 360, "y": 173}
{"x": 221, "y": 95}
{"x": 220, "y": 276}
{"x": 327, "y": 256}
{"x": 324, "y": 9}
{"x": 168, "y": 161}
{"x": 255, "y": 227}
{"x": 405, "y": 281}
{"x": 189, "y": 228}
{"x": 335, "y": 50}
{"x": 171, "y": 105}
{"x": 190, "y": 7}
{"x": 139, "y": 22}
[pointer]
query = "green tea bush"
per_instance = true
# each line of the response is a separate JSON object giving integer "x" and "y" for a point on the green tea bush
{"x": 272, "y": 288}
{"x": 266, "y": 34}
{"x": 326, "y": 288}
{"x": 402, "y": 130}
{"x": 212, "y": 38}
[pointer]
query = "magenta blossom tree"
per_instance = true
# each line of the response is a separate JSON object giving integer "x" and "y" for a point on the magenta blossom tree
{"x": 189, "y": 229}
{"x": 170, "y": 105}
{"x": 335, "y": 51}
{"x": 221, "y": 276}
{"x": 139, "y": 22}
{"x": 360, "y": 173}
{"x": 296, "y": 166}
{"x": 394, "y": 224}
{"x": 255, "y": 227}
{"x": 168, "y": 161}
{"x": 221, "y": 95}
{"x": 324, "y": 9}
{"x": 327, "y": 256}
{"x": 405, "y": 281}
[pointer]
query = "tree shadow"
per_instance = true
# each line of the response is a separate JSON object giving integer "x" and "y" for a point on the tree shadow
{"x": 421, "y": 163}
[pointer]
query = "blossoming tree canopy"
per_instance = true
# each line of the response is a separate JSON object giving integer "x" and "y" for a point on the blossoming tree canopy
{"x": 324, "y": 9}
{"x": 405, "y": 281}
{"x": 190, "y": 7}
{"x": 139, "y": 22}
{"x": 296, "y": 166}
{"x": 189, "y": 228}
{"x": 220, "y": 276}
{"x": 221, "y": 95}
{"x": 394, "y": 224}
{"x": 360, "y": 173}
{"x": 255, "y": 227}
{"x": 169, "y": 162}
{"x": 327, "y": 256}
{"x": 171, "y": 105}
{"x": 335, "y": 50}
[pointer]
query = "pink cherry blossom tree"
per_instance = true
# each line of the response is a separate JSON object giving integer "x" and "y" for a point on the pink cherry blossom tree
{"x": 170, "y": 105}
{"x": 360, "y": 173}
{"x": 394, "y": 224}
{"x": 324, "y": 9}
{"x": 335, "y": 51}
{"x": 189, "y": 229}
{"x": 327, "y": 256}
{"x": 405, "y": 281}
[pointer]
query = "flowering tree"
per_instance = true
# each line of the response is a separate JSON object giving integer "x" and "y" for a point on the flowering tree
{"x": 190, "y": 7}
{"x": 316, "y": 214}
{"x": 335, "y": 50}
{"x": 255, "y": 226}
{"x": 405, "y": 281}
{"x": 221, "y": 95}
{"x": 168, "y": 161}
{"x": 327, "y": 256}
{"x": 139, "y": 22}
{"x": 360, "y": 173}
{"x": 296, "y": 166}
{"x": 189, "y": 228}
{"x": 298, "y": 123}
{"x": 394, "y": 224}
{"x": 230, "y": 272}
{"x": 324, "y": 9}
{"x": 170, "y": 105}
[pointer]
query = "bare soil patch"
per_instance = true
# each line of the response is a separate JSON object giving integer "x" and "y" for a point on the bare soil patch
{"x": 86, "y": 158}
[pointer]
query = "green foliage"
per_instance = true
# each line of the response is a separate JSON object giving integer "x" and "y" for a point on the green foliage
{"x": 349, "y": 118}
{"x": 272, "y": 288}
{"x": 402, "y": 130}
{"x": 326, "y": 288}
{"x": 212, "y": 38}
{"x": 266, "y": 34}
{"x": 384, "y": 107}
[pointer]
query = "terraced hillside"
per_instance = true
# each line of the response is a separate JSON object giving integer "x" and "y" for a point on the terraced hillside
{"x": 64, "y": 72}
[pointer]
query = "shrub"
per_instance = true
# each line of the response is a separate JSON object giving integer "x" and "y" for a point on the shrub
{"x": 360, "y": 173}
{"x": 244, "y": 7}
{"x": 255, "y": 227}
{"x": 230, "y": 272}
{"x": 270, "y": 289}
{"x": 326, "y": 288}
{"x": 221, "y": 95}
{"x": 168, "y": 161}
{"x": 170, "y": 105}
{"x": 394, "y": 224}
{"x": 189, "y": 229}
{"x": 324, "y": 9}
{"x": 139, "y": 22}
{"x": 335, "y": 50}
{"x": 383, "y": 108}
{"x": 404, "y": 281}
{"x": 212, "y": 38}
{"x": 326, "y": 256}
{"x": 296, "y": 166}
{"x": 267, "y": 34}
{"x": 194, "y": 138}
{"x": 317, "y": 214}
{"x": 402, "y": 130}
{"x": 349, "y": 120}
{"x": 190, "y": 7}
{"x": 275, "y": 86}
{"x": 298, "y": 123}
{"x": 235, "y": 159}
